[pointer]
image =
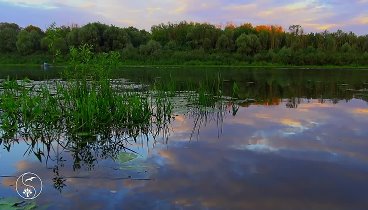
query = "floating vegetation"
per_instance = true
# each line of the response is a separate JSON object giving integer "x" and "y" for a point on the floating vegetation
{"x": 124, "y": 157}
{"x": 17, "y": 204}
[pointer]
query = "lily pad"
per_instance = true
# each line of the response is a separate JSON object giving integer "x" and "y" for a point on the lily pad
{"x": 131, "y": 162}
{"x": 126, "y": 157}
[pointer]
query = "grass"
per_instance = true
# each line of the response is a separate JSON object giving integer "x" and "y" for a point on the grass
{"x": 204, "y": 65}
{"x": 86, "y": 111}
{"x": 83, "y": 106}
{"x": 14, "y": 59}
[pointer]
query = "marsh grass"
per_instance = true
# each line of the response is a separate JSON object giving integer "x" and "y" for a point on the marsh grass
{"x": 88, "y": 113}
{"x": 83, "y": 107}
{"x": 205, "y": 93}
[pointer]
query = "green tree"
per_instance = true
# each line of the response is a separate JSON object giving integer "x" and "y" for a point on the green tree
{"x": 246, "y": 28}
{"x": 137, "y": 37}
{"x": 248, "y": 44}
{"x": 92, "y": 34}
{"x": 8, "y": 37}
{"x": 28, "y": 41}
{"x": 223, "y": 43}
{"x": 264, "y": 39}
{"x": 203, "y": 36}
{"x": 150, "y": 48}
{"x": 330, "y": 44}
{"x": 346, "y": 48}
{"x": 171, "y": 45}
{"x": 160, "y": 33}
{"x": 115, "y": 39}
{"x": 31, "y": 28}
{"x": 284, "y": 56}
{"x": 72, "y": 37}
{"x": 55, "y": 40}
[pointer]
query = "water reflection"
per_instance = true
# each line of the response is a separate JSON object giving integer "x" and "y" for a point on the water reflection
{"x": 261, "y": 151}
{"x": 269, "y": 86}
{"x": 312, "y": 157}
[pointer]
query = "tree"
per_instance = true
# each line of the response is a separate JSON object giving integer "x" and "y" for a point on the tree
{"x": 8, "y": 37}
{"x": 362, "y": 43}
{"x": 150, "y": 48}
{"x": 330, "y": 44}
{"x": 346, "y": 48}
{"x": 171, "y": 45}
{"x": 264, "y": 38}
{"x": 285, "y": 56}
{"x": 72, "y": 38}
{"x": 137, "y": 37}
{"x": 203, "y": 36}
{"x": 296, "y": 30}
{"x": 91, "y": 34}
{"x": 248, "y": 44}
{"x": 246, "y": 28}
{"x": 28, "y": 41}
{"x": 207, "y": 44}
{"x": 31, "y": 28}
{"x": 160, "y": 33}
{"x": 55, "y": 40}
{"x": 223, "y": 43}
{"x": 115, "y": 39}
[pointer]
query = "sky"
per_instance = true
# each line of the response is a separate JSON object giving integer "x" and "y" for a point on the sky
{"x": 313, "y": 15}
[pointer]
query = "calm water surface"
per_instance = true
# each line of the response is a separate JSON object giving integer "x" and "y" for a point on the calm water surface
{"x": 298, "y": 139}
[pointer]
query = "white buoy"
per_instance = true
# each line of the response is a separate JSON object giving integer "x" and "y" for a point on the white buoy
{"x": 45, "y": 66}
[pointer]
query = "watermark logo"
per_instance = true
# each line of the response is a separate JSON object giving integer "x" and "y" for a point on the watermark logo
{"x": 29, "y": 185}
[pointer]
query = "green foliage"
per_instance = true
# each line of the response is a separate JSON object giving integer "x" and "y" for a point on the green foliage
{"x": 187, "y": 43}
{"x": 248, "y": 44}
{"x": 346, "y": 48}
{"x": 92, "y": 34}
{"x": 202, "y": 36}
{"x": 130, "y": 53}
{"x": 171, "y": 45}
{"x": 55, "y": 40}
{"x": 137, "y": 37}
{"x": 330, "y": 44}
{"x": 85, "y": 104}
{"x": 28, "y": 41}
{"x": 151, "y": 48}
{"x": 84, "y": 64}
{"x": 8, "y": 37}
{"x": 223, "y": 44}
{"x": 115, "y": 39}
{"x": 285, "y": 55}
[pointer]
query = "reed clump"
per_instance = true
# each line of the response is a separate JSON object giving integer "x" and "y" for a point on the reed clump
{"x": 83, "y": 103}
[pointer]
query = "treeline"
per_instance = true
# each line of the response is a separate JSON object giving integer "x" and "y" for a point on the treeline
{"x": 189, "y": 43}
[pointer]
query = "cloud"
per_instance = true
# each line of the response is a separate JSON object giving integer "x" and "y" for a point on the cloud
{"x": 361, "y": 20}
{"x": 360, "y": 111}
{"x": 45, "y": 4}
{"x": 314, "y": 15}
{"x": 43, "y": 17}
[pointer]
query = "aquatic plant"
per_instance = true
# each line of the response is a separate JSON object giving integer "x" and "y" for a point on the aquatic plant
{"x": 83, "y": 107}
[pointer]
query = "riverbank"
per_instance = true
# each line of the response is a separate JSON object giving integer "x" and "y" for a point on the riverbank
{"x": 170, "y": 62}
{"x": 267, "y": 66}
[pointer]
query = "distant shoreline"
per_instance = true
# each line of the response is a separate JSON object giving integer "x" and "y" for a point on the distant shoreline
{"x": 270, "y": 66}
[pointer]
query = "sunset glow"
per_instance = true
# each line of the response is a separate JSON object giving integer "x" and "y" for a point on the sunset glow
{"x": 313, "y": 15}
